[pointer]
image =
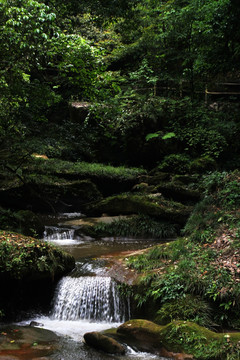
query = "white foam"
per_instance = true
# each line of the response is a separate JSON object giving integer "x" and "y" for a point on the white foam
{"x": 73, "y": 329}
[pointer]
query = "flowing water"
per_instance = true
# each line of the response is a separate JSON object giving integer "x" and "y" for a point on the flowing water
{"x": 93, "y": 298}
{"x": 87, "y": 300}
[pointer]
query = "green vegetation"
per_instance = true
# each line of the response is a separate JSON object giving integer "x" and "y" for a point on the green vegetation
{"x": 141, "y": 68}
{"x": 182, "y": 337}
{"x": 25, "y": 257}
{"x": 205, "y": 263}
{"x": 190, "y": 308}
{"x": 140, "y": 226}
{"x": 26, "y": 260}
{"x": 134, "y": 107}
{"x": 83, "y": 169}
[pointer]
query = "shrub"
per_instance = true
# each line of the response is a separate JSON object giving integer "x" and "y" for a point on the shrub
{"x": 175, "y": 163}
{"x": 189, "y": 307}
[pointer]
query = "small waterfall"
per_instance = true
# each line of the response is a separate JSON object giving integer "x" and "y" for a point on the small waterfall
{"x": 53, "y": 233}
{"x": 71, "y": 215}
{"x": 88, "y": 298}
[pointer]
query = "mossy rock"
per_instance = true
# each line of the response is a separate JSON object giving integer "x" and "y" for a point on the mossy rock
{"x": 24, "y": 257}
{"x": 141, "y": 187}
{"x": 104, "y": 343}
{"x": 154, "y": 177}
{"x": 72, "y": 193}
{"x": 180, "y": 337}
{"x": 178, "y": 192}
{"x": 108, "y": 179}
{"x": 48, "y": 194}
{"x": 29, "y": 270}
{"x": 175, "y": 163}
{"x": 152, "y": 205}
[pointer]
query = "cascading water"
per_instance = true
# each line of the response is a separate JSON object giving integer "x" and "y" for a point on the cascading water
{"x": 92, "y": 298}
{"x": 85, "y": 303}
{"x": 53, "y": 233}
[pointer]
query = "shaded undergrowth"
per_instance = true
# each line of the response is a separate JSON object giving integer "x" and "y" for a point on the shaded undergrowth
{"x": 204, "y": 264}
{"x": 136, "y": 226}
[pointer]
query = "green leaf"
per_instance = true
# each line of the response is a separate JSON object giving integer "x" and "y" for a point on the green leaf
{"x": 169, "y": 135}
{"x": 152, "y": 135}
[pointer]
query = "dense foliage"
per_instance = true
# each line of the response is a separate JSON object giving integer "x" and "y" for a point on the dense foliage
{"x": 143, "y": 66}
{"x": 96, "y": 86}
{"x": 21, "y": 256}
{"x": 204, "y": 264}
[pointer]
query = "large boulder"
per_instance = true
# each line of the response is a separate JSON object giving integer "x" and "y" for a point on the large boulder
{"x": 70, "y": 195}
{"x": 48, "y": 194}
{"x": 29, "y": 270}
{"x": 153, "y": 205}
{"x": 180, "y": 188}
{"x": 104, "y": 343}
{"x": 184, "y": 339}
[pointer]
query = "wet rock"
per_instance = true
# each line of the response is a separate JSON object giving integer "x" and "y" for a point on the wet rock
{"x": 26, "y": 342}
{"x": 104, "y": 343}
{"x": 35, "y": 323}
{"x": 91, "y": 221}
{"x": 175, "y": 356}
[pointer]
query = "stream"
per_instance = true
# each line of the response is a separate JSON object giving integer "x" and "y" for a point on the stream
{"x": 87, "y": 299}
